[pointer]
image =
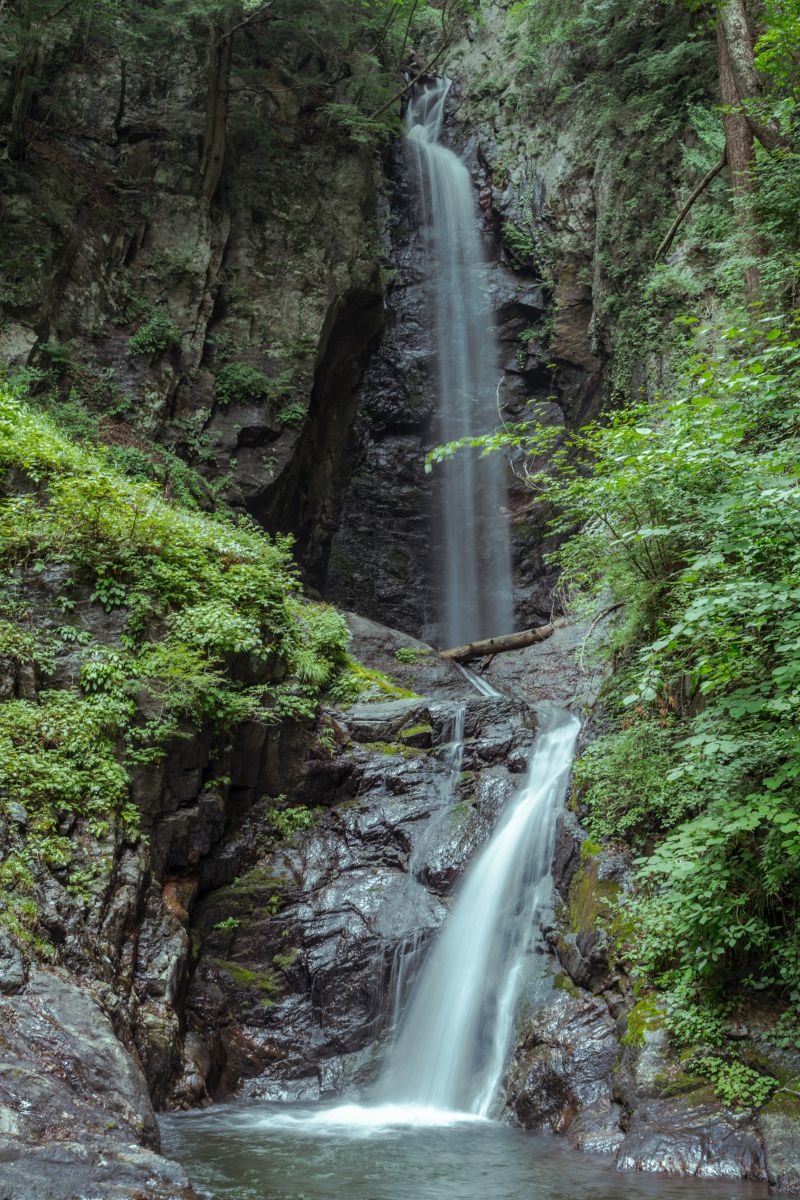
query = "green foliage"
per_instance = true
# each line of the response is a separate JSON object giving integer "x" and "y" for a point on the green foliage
{"x": 360, "y": 127}
{"x": 737, "y": 1085}
{"x": 521, "y": 243}
{"x": 293, "y": 414}
{"x": 643, "y": 1018}
{"x": 407, "y": 654}
{"x": 58, "y": 762}
{"x": 198, "y": 593}
{"x": 357, "y": 682}
{"x": 156, "y": 334}
{"x": 288, "y": 821}
{"x": 693, "y": 1019}
{"x": 239, "y": 383}
{"x": 689, "y": 515}
{"x": 624, "y": 777}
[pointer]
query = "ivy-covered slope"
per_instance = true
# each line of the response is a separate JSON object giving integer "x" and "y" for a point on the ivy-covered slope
{"x": 128, "y": 622}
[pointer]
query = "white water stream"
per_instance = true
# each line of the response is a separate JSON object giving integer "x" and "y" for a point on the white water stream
{"x": 473, "y": 550}
{"x": 447, "y": 1058}
{"x": 453, "y": 1042}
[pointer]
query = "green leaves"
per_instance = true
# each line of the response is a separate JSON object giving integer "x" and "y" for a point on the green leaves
{"x": 688, "y": 510}
{"x": 199, "y": 595}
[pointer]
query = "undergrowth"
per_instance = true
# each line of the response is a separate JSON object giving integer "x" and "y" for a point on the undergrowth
{"x": 189, "y": 596}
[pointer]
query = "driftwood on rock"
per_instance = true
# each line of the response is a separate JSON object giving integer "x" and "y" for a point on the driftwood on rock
{"x": 496, "y": 645}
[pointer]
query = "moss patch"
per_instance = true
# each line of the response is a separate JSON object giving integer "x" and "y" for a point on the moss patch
{"x": 266, "y": 982}
{"x": 393, "y": 748}
{"x": 590, "y": 898}
{"x": 644, "y": 1017}
{"x": 786, "y": 1101}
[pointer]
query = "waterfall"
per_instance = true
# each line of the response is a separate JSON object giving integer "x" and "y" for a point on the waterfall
{"x": 454, "y": 1039}
{"x": 474, "y": 567}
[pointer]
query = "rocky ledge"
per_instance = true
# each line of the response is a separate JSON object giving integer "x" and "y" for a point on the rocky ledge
{"x": 75, "y": 1114}
{"x": 593, "y": 1064}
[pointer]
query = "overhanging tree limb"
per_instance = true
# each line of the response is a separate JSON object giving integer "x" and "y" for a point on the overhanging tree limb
{"x": 701, "y": 187}
{"x": 419, "y": 75}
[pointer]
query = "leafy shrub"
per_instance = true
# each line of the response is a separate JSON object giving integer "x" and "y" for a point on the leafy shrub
{"x": 690, "y": 517}
{"x": 156, "y": 334}
{"x": 521, "y": 243}
{"x": 239, "y": 383}
{"x": 406, "y": 654}
{"x": 624, "y": 777}
{"x": 293, "y": 414}
{"x": 737, "y": 1085}
{"x": 288, "y": 821}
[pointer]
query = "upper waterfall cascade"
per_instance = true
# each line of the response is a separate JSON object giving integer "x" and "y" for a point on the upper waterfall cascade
{"x": 473, "y": 547}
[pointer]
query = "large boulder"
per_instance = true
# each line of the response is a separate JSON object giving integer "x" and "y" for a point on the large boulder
{"x": 75, "y": 1115}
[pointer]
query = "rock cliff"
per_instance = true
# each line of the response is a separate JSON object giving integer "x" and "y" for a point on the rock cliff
{"x": 276, "y": 344}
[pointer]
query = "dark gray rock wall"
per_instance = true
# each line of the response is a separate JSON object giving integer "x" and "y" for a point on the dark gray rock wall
{"x": 299, "y": 954}
{"x": 105, "y": 225}
{"x": 383, "y": 558}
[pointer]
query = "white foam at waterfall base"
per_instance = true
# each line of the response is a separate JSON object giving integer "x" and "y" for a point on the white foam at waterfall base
{"x": 360, "y": 1119}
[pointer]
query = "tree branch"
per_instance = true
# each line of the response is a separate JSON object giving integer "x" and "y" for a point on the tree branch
{"x": 701, "y": 187}
{"x": 425, "y": 71}
{"x": 258, "y": 15}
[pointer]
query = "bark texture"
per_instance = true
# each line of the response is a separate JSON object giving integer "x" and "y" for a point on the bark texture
{"x": 498, "y": 645}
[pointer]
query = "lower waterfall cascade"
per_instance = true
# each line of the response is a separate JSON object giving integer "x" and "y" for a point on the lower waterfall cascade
{"x": 452, "y": 1043}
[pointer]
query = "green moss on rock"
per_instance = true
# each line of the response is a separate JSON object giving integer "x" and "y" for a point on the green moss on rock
{"x": 590, "y": 898}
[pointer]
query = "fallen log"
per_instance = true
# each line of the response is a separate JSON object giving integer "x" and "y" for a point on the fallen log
{"x": 497, "y": 645}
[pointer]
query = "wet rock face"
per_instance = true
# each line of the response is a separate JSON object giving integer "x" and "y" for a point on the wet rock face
{"x": 68, "y": 1082}
{"x": 571, "y": 1073}
{"x": 300, "y": 954}
{"x": 278, "y": 278}
{"x": 380, "y": 562}
{"x": 383, "y": 558}
{"x": 560, "y": 1075}
{"x": 676, "y": 1125}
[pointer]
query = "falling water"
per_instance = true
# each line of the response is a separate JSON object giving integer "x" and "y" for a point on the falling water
{"x": 454, "y": 1039}
{"x": 475, "y": 568}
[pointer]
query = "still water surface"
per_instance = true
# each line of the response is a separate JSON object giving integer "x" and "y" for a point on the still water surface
{"x": 287, "y": 1152}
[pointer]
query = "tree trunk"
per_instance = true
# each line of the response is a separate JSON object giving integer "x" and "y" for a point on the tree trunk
{"x": 740, "y": 149}
{"x": 220, "y": 54}
{"x": 497, "y": 645}
{"x": 18, "y": 97}
{"x": 733, "y": 20}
